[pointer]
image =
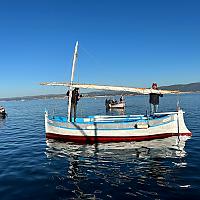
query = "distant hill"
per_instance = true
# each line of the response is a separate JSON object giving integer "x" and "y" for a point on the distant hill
{"x": 47, "y": 96}
{"x": 191, "y": 87}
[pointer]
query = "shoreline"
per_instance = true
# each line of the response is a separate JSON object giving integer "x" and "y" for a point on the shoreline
{"x": 60, "y": 96}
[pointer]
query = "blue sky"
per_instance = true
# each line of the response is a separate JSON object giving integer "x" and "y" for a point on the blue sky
{"x": 122, "y": 42}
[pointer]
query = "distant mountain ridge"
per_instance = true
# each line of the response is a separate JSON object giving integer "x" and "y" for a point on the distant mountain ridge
{"x": 191, "y": 87}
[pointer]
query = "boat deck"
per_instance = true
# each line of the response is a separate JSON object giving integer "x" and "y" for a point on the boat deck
{"x": 110, "y": 119}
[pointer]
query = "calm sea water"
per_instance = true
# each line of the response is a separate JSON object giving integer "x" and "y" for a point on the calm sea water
{"x": 33, "y": 168}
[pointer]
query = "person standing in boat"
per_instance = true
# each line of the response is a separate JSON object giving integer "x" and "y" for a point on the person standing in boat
{"x": 74, "y": 101}
{"x": 154, "y": 99}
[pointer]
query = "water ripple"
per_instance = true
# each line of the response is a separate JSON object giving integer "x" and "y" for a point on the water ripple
{"x": 35, "y": 168}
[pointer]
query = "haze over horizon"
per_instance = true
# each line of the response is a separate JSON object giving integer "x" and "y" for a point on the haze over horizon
{"x": 129, "y": 43}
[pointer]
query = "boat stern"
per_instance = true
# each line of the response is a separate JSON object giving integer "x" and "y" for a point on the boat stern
{"x": 182, "y": 129}
{"x": 46, "y": 114}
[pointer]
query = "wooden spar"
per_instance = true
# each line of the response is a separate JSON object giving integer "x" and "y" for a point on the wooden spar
{"x": 71, "y": 80}
{"x": 108, "y": 87}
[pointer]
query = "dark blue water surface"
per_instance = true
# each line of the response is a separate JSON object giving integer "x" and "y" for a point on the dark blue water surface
{"x": 33, "y": 168}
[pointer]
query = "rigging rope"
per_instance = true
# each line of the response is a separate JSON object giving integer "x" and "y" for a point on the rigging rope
{"x": 178, "y": 102}
{"x": 146, "y": 97}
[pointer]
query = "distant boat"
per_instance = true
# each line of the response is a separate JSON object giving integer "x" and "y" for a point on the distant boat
{"x": 113, "y": 128}
{"x": 2, "y": 112}
{"x": 110, "y": 103}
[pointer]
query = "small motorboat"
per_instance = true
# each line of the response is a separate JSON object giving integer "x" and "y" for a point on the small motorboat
{"x": 110, "y": 103}
{"x": 2, "y": 112}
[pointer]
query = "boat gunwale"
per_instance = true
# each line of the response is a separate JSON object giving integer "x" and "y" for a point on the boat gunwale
{"x": 111, "y": 120}
{"x": 106, "y": 129}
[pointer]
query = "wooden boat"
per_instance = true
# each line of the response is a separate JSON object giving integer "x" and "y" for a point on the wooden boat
{"x": 116, "y": 128}
{"x": 113, "y": 128}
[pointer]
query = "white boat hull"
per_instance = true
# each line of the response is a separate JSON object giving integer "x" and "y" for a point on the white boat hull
{"x": 116, "y": 128}
{"x": 118, "y": 105}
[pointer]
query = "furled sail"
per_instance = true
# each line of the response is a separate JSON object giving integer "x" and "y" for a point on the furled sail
{"x": 108, "y": 87}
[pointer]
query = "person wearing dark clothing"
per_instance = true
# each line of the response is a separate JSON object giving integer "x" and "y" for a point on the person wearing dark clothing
{"x": 106, "y": 102}
{"x": 154, "y": 99}
{"x": 74, "y": 101}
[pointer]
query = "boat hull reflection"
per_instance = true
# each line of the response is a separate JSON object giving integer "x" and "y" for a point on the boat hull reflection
{"x": 116, "y": 170}
{"x": 167, "y": 147}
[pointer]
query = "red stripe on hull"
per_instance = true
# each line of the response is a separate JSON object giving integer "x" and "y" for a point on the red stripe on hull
{"x": 92, "y": 139}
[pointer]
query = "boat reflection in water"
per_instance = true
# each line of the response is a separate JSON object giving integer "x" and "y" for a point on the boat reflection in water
{"x": 168, "y": 147}
{"x": 115, "y": 111}
{"x": 2, "y": 121}
{"x": 135, "y": 168}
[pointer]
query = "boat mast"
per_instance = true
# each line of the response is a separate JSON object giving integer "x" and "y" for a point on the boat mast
{"x": 71, "y": 81}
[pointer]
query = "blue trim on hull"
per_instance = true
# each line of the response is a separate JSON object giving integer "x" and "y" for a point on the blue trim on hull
{"x": 103, "y": 129}
{"x": 107, "y": 121}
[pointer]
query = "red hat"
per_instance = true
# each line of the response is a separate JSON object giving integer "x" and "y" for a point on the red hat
{"x": 154, "y": 84}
